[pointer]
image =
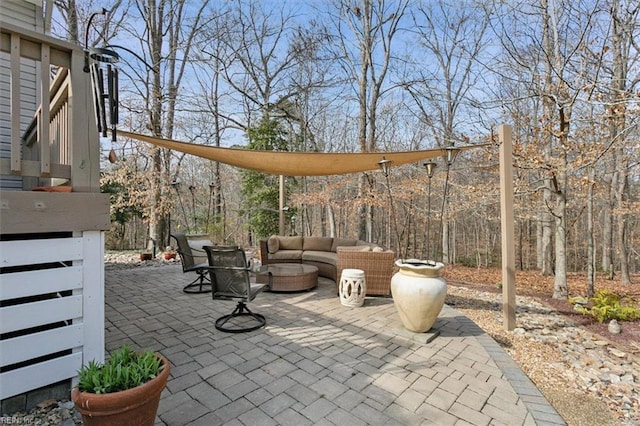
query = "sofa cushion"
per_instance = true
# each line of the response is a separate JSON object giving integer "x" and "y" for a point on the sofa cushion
{"x": 197, "y": 250}
{"x": 273, "y": 244}
{"x": 355, "y": 248}
{"x": 198, "y": 244}
{"x": 320, "y": 256}
{"x": 317, "y": 243}
{"x": 342, "y": 242}
{"x": 290, "y": 243}
{"x": 285, "y": 255}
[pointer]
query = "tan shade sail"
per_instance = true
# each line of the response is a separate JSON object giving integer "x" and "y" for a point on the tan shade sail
{"x": 294, "y": 163}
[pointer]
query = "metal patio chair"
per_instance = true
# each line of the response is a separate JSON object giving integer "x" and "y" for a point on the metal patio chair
{"x": 231, "y": 280}
{"x": 188, "y": 257}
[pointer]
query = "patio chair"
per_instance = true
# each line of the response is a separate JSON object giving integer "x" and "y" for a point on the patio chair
{"x": 189, "y": 260}
{"x": 231, "y": 280}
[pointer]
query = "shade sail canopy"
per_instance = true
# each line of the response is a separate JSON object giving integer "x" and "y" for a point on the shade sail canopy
{"x": 294, "y": 163}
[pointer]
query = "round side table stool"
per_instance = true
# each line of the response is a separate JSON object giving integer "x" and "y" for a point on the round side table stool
{"x": 353, "y": 287}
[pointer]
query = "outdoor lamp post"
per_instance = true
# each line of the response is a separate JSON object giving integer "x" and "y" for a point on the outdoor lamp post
{"x": 430, "y": 168}
{"x": 385, "y": 166}
{"x": 450, "y": 155}
{"x": 176, "y": 185}
{"x": 192, "y": 189}
{"x": 212, "y": 186}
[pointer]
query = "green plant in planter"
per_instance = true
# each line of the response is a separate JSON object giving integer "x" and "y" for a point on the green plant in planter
{"x": 124, "y": 370}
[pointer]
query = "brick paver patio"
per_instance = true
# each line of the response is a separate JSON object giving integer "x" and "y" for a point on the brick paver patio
{"x": 316, "y": 362}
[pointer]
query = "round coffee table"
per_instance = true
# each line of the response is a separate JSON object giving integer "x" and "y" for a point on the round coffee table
{"x": 289, "y": 276}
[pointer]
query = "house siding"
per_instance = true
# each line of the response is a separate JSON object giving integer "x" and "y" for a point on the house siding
{"x": 27, "y": 15}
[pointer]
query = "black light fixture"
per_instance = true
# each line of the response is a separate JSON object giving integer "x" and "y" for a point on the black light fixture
{"x": 430, "y": 168}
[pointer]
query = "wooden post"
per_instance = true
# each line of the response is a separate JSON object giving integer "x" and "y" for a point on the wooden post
{"x": 281, "y": 206}
{"x": 44, "y": 124}
{"x": 83, "y": 136}
{"x": 15, "y": 96}
{"x": 506, "y": 216}
{"x": 93, "y": 296}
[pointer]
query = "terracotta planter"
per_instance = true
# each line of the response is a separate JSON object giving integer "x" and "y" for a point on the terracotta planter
{"x": 169, "y": 256}
{"x": 137, "y": 406}
{"x": 146, "y": 256}
{"x": 418, "y": 293}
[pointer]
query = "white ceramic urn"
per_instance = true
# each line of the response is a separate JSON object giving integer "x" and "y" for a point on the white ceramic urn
{"x": 418, "y": 293}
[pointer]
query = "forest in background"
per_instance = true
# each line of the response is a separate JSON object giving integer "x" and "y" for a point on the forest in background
{"x": 376, "y": 75}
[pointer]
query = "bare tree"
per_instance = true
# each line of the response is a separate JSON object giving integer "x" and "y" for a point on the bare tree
{"x": 167, "y": 39}
{"x": 624, "y": 24}
{"x": 453, "y": 37}
{"x": 364, "y": 32}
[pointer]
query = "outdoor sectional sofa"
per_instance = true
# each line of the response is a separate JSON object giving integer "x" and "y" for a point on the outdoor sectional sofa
{"x": 331, "y": 256}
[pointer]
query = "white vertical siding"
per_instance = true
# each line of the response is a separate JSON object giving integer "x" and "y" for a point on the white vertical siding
{"x": 52, "y": 312}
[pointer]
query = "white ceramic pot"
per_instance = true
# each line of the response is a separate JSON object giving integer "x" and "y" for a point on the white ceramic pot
{"x": 418, "y": 293}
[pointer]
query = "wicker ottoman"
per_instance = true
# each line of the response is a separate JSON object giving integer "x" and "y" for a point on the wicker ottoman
{"x": 353, "y": 287}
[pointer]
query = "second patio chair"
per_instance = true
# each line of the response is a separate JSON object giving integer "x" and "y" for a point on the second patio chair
{"x": 190, "y": 259}
{"x": 231, "y": 280}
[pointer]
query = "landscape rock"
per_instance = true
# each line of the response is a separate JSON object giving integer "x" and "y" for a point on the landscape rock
{"x": 614, "y": 327}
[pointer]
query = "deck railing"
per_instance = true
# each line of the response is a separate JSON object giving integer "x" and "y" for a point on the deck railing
{"x": 51, "y": 244}
{"x": 61, "y": 141}
{"x": 34, "y": 146}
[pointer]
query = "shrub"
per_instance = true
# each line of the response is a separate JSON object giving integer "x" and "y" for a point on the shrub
{"x": 124, "y": 370}
{"x": 607, "y": 305}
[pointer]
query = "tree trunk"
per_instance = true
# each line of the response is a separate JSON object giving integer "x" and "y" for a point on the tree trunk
{"x": 560, "y": 280}
{"x": 591, "y": 258}
{"x": 363, "y": 85}
{"x": 623, "y": 21}
{"x": 547, "y": 238}
{"x": 331, "y": 218}
{"x": 621, "y": 248}
{"x": 607, "y": 232}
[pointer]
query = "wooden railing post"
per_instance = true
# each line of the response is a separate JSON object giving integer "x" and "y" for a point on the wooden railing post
{"x": 83, "y": 132}
{"x": 43, "y": 118}
{"x": 16, "y": 165}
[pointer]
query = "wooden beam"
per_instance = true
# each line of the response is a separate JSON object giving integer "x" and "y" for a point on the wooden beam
{"x": 31, "y": 168}
{"x": 31, "y": 41}
{"x": 26, "y": 212}
{"x": 507, "y": 225}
